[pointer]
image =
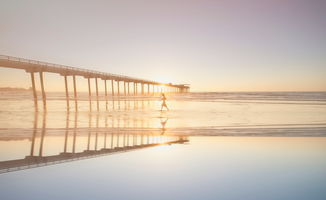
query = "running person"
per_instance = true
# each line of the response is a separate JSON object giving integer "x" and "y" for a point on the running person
{"x": 164, "y": 102}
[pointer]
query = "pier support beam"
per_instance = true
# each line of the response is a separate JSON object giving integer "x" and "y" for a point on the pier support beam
{"x": 43, "y": 91}
{"x": 75, "y": 92}
{"x": 142, "y": 88}
{"x": 124, "y": 88}
{"x": 112, "y": 87}
{"x": 128, "y": 89}
{"x": 128, "y": 85}
{"x": 89, "y": 94}
{"x": 106, "y": 96}
{"x": 67, "y": 93}
{"x": 34, "y": 91}
{"x": 97, "y": 101}
{"x": 118, "y": 85}
{"x": 135, "y": 90}
{"x": 148, "y": 89}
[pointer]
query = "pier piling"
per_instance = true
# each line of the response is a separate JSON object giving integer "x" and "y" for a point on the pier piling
{"x": 67, "y": 93}
{"x": 34, "y": 91}
{"x": 89, "y": 94}
{"x": 75, "y": 93}
{"x": 106, "y": 95}
{"x": 43, "y": 90}
{"x": 97, "y": 100}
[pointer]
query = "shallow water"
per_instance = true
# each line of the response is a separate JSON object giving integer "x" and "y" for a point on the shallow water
{"x": 198, "y": 111}
{"x": 208, "y": 146}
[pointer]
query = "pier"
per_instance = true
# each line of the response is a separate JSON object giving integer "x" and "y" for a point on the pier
{"x": 140, "y": 87}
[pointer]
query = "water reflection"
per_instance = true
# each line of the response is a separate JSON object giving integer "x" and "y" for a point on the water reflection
{"x": 163, "y": 124}
{"x": 68, "y": 143}
{"x": 135, "y": 103}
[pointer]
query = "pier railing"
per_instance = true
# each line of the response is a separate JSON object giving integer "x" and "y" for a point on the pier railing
{"x": 65, "y": 68}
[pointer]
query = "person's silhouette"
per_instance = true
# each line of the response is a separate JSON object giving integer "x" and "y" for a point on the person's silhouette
{"x": 164, "y": 102}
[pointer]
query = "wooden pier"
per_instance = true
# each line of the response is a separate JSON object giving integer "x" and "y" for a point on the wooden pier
{"x": 37, "y": 67}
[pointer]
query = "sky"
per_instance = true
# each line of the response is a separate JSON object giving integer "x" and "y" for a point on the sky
{"x": 221, "y": 45}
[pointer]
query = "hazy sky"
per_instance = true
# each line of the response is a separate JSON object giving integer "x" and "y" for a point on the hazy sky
{"x": 220, "y": 45}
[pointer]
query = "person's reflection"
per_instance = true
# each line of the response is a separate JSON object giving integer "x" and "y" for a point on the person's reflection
{"x": 163, "y": 124}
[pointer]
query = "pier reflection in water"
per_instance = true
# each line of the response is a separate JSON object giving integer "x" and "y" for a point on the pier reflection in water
{"x": 56, "y": 145}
